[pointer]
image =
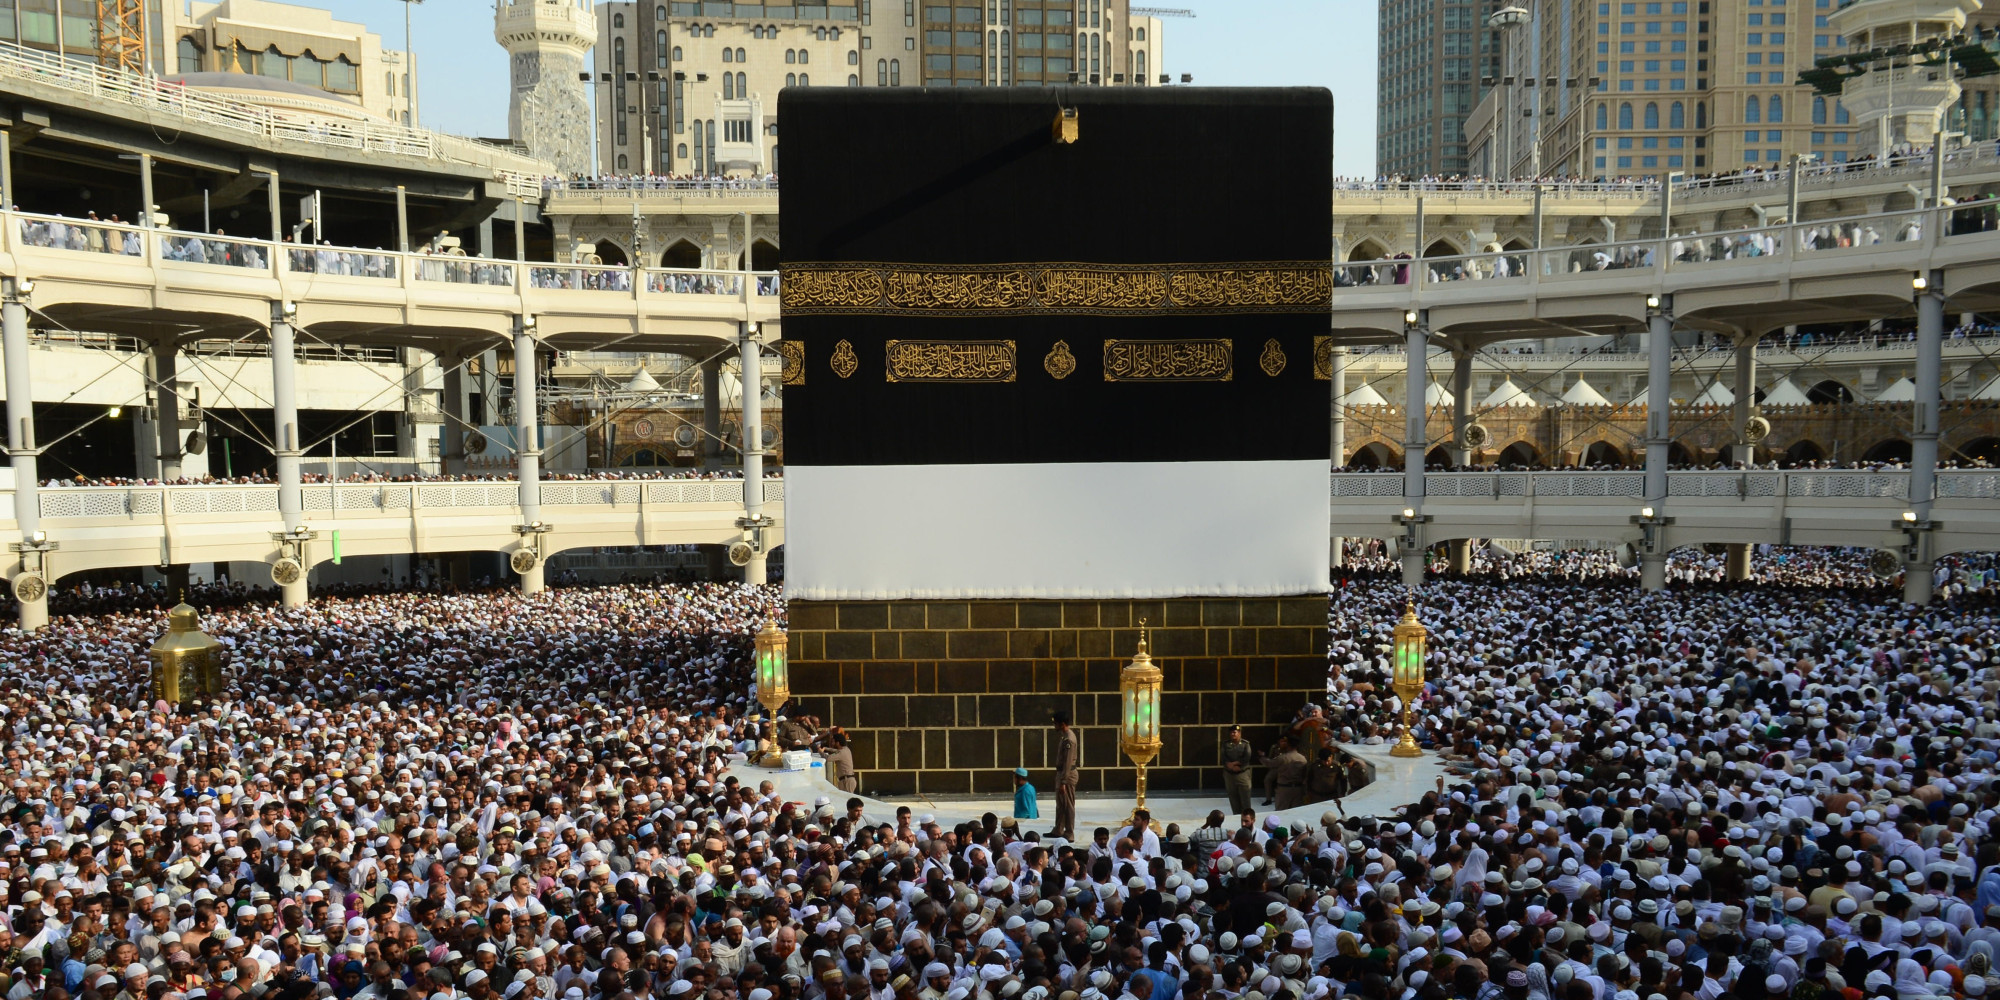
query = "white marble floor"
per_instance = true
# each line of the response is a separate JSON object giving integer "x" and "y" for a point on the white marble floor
{"x": 1398, "y": 782}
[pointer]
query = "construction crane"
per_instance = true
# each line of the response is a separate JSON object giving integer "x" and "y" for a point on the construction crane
{"x": 121, "y": 35}
{"x": 1161, "y": 12}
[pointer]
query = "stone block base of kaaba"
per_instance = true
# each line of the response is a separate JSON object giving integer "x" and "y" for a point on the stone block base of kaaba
{"x": 948, "y": 697}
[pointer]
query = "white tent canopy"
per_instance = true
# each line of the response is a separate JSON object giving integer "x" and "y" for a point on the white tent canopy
{"x": 1507, "y": 394}
{"x": 1362, "y": 395}
{"x": 642, "y": 382}
{"x": 1436, "y": 394}
{"x": 1900, "y": 391}
{"x": 1716, "y": 394}
{"x": 1784, "y": 393}
{"x": 1582, "y": 394}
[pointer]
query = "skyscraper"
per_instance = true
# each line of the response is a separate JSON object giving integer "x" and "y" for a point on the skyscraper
{"x": 1430, "y": 59}
{"x": 1623, "y": 88}
{"x": 691, "y": 87}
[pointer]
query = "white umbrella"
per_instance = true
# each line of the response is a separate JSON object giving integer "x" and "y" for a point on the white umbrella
{"x": 1363, "y": 395}
{"x": 1900, "y": 391}
{"x": 1582, "y": 394}
{"x": 1436, "y": 394}
{"x": 1507, "y": 394}
{"x": 1716, "y": 394}
{"x": 1784, "y": 393}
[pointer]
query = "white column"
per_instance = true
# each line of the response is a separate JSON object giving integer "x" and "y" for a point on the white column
{"x": 1917, "y": 583}
{"x": 1659, "y": 406}
{"x": 527, "y": 443}
{"x": 1736, "y": 565}
{"x": 711, "y": 412}
{"x": 753, "y": 447}
{"x": 452, "y": 408}
{"x": 1416, "y": 343}
{"x": 21, "y": 441}
{"x": 1337, "y": 360}
{"x": 285, "y": 432}
{"x": 1461, "y": 416}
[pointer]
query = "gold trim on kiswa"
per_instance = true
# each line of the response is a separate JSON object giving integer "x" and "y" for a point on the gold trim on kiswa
{"x": 949, "y": 360}
{"x": 1057, "y": 288}
{"x": 1169, "y": 360}
{"x": 793, "y": 356}
{"x": 1323, "y": 358}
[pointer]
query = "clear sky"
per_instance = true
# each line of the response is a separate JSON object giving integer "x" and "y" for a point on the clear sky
{"x": 1329, "y": 43}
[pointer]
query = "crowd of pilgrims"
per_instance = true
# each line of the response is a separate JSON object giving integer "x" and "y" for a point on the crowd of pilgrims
{"x": 1783, "y": 790}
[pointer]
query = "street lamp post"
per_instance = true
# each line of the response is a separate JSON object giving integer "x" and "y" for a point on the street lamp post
{"x": 1505, "y": 20}
{"x": 409, "y": 68}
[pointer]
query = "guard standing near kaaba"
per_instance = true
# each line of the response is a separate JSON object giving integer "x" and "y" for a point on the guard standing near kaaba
{"x": 1237, "y": 758}
{"x": 1067, "y": 776}
{"x": 840, "y": 766}
{"x": 1288, "y": 775}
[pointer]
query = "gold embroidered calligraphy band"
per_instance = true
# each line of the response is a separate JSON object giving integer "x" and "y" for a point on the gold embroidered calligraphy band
{"x": 950, "y": 360}
{"x": 1063, "y": 288}
{"x": 1168, "y": 361}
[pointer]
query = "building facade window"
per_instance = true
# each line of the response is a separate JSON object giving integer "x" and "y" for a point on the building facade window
{"x": 1625, "y": 116}
{"x": 1753, "y": 110}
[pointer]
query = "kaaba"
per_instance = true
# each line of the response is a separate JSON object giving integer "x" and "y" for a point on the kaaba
{"x": 1055, "y": 364}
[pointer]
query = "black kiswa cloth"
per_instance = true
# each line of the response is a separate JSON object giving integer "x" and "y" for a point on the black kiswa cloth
{"x": 960, "y": 287}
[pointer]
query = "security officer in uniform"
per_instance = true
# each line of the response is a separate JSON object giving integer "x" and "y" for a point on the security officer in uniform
{"x": 1068, "y": 761}
{"x": 1288, "y": 775}
{"x": 1238, "y": 756}
{"x": 840, "y": 765}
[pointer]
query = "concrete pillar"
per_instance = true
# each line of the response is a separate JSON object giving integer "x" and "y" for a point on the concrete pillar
{"x": 1461, "y": 404}
{"x": 1746, "y": 399}
{"x": 1461, "y": 417}
{"x": 1736, "y": 564}
{"x": 167, "y": 406}
{"x": 1659, "y": 375}
{"x": 286, "y": 434}
{"x": 452, "y": 405}
{"x": 21, "y": 441}
{"x": 1337, "y": 361}
{"x": 711, "y": 412}
{"x": 753, "y": 445}
{"x": 1917, "y": 582}
{"x": 528, "y": 443}
{"x": 1416, "y": 343}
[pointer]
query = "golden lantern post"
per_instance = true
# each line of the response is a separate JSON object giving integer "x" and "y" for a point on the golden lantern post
{"x": 187, "y": 662}
{"x": 774, "y": 677}
{"x": 1139, "y": 722}
{"x": 1408, "y": 678}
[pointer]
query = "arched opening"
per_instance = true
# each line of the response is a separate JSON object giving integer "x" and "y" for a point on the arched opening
{"x": 1374, "y": 455}
{"x": 1603, "y": 453}
{"x": 1440, "y": 248}
{"x": 1438, "y": 458}
{"x": 1367, "y": 250}
{"x": 682, "y": 254}
{"x": 1520, "y": 453}
{"x": 1802, "y": 452}
{"x": 612, "y": 254}
{"x": 1516, "y": 244}
{"x": 1829, "y": 391}
{"x": 1892, "y": 450}
{"x": 1985, "y": 451}
{"x": 763, "y": 256}
{"x": 1678, "y": 454}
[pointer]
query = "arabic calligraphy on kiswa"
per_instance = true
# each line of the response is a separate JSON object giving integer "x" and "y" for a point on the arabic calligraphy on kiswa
{"x": 1029, "y": 289}
{"x": 1168, "y": 360}
{"x": 949, "y": 360}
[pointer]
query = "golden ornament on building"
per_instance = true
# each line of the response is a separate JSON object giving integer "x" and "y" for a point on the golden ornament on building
{"x": 1273, "y": 358}
{"x": 187, "y": 662}
{"x": 844, "y": 361}
{"x": 1060, "y": 362}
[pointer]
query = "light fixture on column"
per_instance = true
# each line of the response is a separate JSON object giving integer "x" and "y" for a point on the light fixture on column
{"x": 528, "y": 321}
{"x": 1652, "y": 303}
{"x": 1410, "y": 317}
{"x": 773, "y": 674}
{"x": 288, "y": 309}
{"x": 1650, "y": 522}
{"x": 1139, "y": 686}
{"x": 1407, "y": 676}
{"x": 1920, "y": 282}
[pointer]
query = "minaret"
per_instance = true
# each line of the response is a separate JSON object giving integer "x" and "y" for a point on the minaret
{"x": 1901, "y": 99}
{"x": 549, "y": 107}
